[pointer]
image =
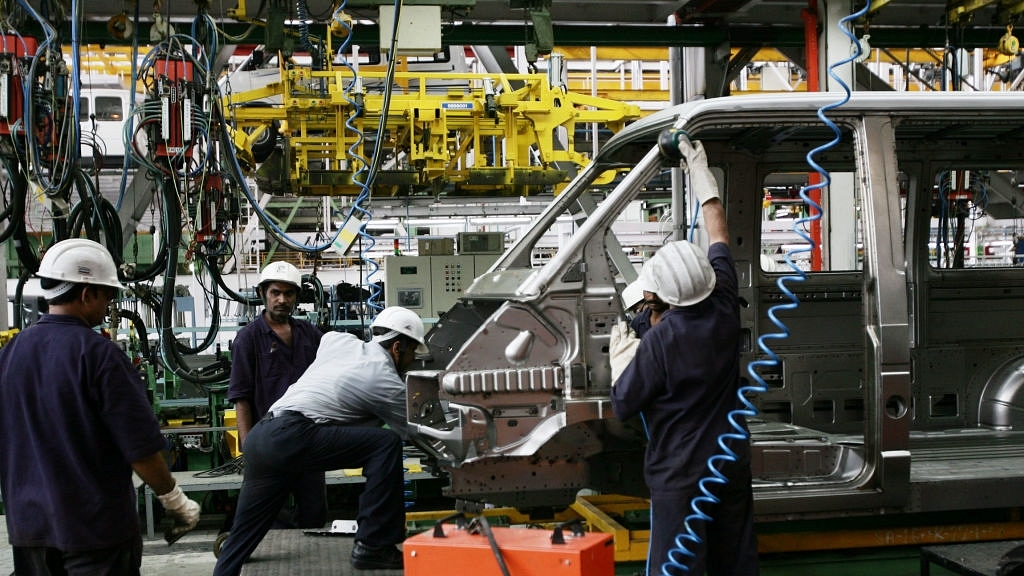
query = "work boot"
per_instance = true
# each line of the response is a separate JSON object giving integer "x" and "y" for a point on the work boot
{"x": 366, "y": 558}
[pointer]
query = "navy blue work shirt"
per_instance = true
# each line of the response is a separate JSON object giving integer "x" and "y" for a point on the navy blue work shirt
{"x": 263, "y": 367}
{"x": 73, "y": 415}
{"x": 684, "y": 379}
{"x": 641, "y": 323}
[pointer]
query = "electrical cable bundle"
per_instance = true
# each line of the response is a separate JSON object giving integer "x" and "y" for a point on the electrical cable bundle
{"x": 956, "y": 206}
{"x": 41, "y": 116}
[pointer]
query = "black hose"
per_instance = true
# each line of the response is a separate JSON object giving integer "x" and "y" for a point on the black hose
{"x": 8, "y": 211}
{"x": 480, "y": 523}
{"x": 172, "y": 359}
{"x": 319, "y": 300}
{"x": 213, "y": 329}
{"x": 19, "y": 300}
{"x": 97, "y": 217}
{"x": 219, "y": 280}
{"x": 22, "y": 245}
{"x": 140, "y": 329}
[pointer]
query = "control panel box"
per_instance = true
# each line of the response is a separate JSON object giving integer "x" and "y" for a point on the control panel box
{"x": 407, "y": 283}
{"x": 431, "y": 285}
{"x": 481, "y": 242}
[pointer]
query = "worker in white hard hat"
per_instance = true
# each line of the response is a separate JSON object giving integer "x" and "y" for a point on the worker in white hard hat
{"x": 632, "y": 298}
{"x": 646, "y": 308}
{"x": 684, "y": 380}
{"x": 330, "y": 419}
{"x": 638, "y": 315}
{"x": 267, "y": 356}
{"x": 75, "y": 422}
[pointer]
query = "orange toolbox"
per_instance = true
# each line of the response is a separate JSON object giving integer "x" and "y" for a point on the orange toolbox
{"x": 473, "y": 548}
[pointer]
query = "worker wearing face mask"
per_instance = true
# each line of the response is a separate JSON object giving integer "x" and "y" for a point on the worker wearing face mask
{"x": 683, "y": 380}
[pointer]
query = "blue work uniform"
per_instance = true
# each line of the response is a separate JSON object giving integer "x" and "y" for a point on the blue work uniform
{"x": 262, "y": 368}
{"x": 641, "y": 323}
{"x": 684, "y": 380}
{"x": 328, "y": 420}
{"x": 73, "y": 416}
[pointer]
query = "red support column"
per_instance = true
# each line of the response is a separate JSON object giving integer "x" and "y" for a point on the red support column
{"x": 810, "y": 18}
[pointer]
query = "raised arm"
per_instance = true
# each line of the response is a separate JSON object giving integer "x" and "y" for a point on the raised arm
{"x": 704, "y": 186}
{"x": 714, "y": 221}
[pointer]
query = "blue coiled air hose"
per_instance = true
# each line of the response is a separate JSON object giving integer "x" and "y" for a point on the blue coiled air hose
{"x": 364, "y": 176}
{"x": 352, "y": 94}
{"x": 678, "y": 556}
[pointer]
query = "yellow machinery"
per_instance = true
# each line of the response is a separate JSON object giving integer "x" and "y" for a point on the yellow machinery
{"x": 463, "y": 133}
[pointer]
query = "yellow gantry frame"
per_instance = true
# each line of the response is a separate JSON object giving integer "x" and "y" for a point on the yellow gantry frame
{"x": 444, "y": 132}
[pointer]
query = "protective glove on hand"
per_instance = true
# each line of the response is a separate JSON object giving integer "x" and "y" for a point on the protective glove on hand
{"x": 621, "y": 349}
{"x": 182, "y": 510}
{"x": 702, "y": 180}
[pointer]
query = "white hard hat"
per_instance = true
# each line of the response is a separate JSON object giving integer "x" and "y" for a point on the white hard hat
{"x": 281, "y": 272}
{"x": 768, "y": 264}
{"x": 679, "y": 273}
{"x": 632, "y": 295}
{"x": 78, "y": 261}
{"x": 399, "y": 320}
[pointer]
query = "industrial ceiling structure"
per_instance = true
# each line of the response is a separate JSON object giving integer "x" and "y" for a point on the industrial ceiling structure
{"x": 776, "y": 23}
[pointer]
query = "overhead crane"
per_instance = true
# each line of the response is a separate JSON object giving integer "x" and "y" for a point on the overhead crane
{"x": 463, "y": 133}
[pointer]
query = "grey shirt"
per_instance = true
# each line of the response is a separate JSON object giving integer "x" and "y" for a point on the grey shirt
{"x": 350, "y": 382}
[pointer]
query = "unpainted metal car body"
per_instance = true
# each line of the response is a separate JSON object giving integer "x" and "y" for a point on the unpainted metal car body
{"x": 900, "y": 385}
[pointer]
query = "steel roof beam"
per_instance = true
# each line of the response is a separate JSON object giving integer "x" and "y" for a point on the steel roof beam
{"x": 626, "y": 35}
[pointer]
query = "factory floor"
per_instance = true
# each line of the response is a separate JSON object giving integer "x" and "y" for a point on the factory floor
{"x": 282, "y": 553}
{"x": 190, "y": 556}
{"x": 292, "y": 553}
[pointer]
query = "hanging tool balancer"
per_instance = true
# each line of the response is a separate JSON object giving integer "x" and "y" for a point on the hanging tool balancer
{"x": 15, "y": 58}
{"x": 177, "y": 92}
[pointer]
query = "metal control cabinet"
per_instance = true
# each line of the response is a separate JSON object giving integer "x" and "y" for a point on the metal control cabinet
{"x": 450, "y": 276}
{"x": 407, "y": 283}
{"x": 481, "y": 262}
{"x": 431, "y": 285}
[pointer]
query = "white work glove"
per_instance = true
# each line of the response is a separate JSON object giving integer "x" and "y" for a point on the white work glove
{"x": 182, "y": 510}
{"x": 702, "y": 180}
{"x": 621, "y": 349}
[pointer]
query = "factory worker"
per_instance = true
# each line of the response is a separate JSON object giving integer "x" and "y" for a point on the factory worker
{"x": 632, "y": 299}
{"x": 683, "y": 380}
{"x": 625, "y": 336}
{"x": 330, "y": 419}
{"x": 647, "y": 308}
{"x": 75, "y": 422}
{"x": 267, "y": 356}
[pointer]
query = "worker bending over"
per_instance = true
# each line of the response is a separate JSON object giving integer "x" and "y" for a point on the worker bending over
{"x": 329, "y": 419}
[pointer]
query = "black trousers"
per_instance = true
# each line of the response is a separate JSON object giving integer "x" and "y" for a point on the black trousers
{"x": 728, "y": 544}
{"x": 123, "y": 560}
{"x": 279, "y": 450}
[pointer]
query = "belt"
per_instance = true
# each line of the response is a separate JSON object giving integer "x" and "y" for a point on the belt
{"x": 284, "y": 414}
